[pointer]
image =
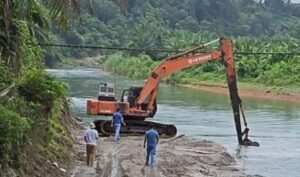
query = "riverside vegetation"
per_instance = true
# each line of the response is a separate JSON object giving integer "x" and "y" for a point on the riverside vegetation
{"x": 255, "y": 26}
{"x": 34, "y": 117}
{"x": 275, "y": 72}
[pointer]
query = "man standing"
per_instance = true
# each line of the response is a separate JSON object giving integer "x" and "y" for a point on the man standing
{"x": 90, "y": 137}
{"x": 151, "y": 137}
{"x": 116, "y": 122}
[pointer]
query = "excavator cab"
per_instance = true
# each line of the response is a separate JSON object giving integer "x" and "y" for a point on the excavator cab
{"x": 131, "y": 95}
{"x": 106, "y": 92}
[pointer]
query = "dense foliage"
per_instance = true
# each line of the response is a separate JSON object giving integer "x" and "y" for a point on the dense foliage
{"x": 39, "y": 87}
{"x": 35, "y": 106}
{"x": 255, "y": 26}
{"x": 170, "y": 24}
{"x": 12, "y": 128}
{"x": 34, "y": 101}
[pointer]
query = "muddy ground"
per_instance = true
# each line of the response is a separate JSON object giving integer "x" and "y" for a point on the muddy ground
{"x": 177, "y": 157}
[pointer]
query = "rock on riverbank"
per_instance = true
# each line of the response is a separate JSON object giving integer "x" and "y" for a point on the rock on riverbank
{"x": 90, "y": 62}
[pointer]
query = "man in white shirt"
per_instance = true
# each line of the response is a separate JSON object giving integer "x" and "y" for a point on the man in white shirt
{"x": 90, "y": 137}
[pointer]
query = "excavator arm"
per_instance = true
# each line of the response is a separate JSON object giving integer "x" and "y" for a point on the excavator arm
{"x": 228, "y": 58}
{"x": 192, "y": 58}
{"x": 175, "y": 63}
{"x": 170, "y": 66}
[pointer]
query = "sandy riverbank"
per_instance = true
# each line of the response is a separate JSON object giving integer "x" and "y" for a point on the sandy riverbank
{"x": 271, "y": 95}
{"x": 181, "y": 157}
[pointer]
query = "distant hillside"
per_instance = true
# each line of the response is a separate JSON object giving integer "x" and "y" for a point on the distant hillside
{"x": 148, "y": 23}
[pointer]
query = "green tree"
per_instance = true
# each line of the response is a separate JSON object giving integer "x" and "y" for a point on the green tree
{"x": 13, "y": 12}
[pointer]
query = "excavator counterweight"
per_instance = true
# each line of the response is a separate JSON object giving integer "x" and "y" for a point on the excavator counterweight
{"x": 138, "y": 103}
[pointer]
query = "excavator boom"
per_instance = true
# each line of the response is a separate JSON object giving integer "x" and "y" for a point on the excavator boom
{"x": 140, "y": 102}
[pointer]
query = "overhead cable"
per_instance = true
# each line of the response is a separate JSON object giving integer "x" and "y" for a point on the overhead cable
{"x": 102, "y": 47}
{"x": 152, "y": 50}
{"x": 267, "y": 53}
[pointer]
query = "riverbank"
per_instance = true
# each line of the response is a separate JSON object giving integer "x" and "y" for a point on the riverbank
{"x": 249, "y": 93}
{"x": 246, "y": 89}
{"x": 184, "y": 157}
{"x": 274, "y": 78}
{"x": 88, "y": 62}
{"x": 35, "y": 127}
{"x": 270, "y": 121}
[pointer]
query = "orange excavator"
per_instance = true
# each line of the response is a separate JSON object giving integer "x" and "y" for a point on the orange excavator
{"x": 138, "y": 103}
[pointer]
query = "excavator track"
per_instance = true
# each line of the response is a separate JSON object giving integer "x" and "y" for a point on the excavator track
{"x": 136, "y": 128}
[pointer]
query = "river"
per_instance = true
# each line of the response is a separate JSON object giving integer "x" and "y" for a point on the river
{"x": 204, "y": 115}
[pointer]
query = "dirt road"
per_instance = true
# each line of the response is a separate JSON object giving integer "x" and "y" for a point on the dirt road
{"x": 181, "y": 157}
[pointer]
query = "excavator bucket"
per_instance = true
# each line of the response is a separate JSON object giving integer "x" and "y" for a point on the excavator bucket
{"x": 250, "y": 143}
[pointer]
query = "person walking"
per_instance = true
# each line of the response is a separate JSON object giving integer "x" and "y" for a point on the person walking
{"x": 116, "y": 122}
{"x": 151, "y": 138}
{"x": 90, "y": 137}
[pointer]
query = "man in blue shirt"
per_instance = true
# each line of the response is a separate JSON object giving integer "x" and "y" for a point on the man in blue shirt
{"x": 151, "y": 137}
{"x": 117, "y": 119}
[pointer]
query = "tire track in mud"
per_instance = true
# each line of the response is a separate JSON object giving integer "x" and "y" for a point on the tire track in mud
{"x": 184, "y": 157}
{"x": 112, "y": 167}
{"x": 123, "y": 161}
{"x": 133, "y": 164}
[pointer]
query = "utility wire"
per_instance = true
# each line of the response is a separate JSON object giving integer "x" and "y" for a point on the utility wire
{"x": 150, "y": 50}
{"x": 267, "y": 53}
{"x": 102, "y": 47}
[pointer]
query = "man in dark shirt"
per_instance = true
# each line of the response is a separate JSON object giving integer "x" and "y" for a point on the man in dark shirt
{"x": 117, "y": 119}
{"x": 151, "y": 137}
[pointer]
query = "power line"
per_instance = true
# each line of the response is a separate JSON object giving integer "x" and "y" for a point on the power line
{"x": 102, "y": 47}
{"x": 149, "y": 50}
{"x": 267, "y": 53}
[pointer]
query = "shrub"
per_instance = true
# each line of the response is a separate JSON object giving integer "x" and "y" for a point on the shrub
{"x": 13, "y": 128}
{"x": 40, "y": 87}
